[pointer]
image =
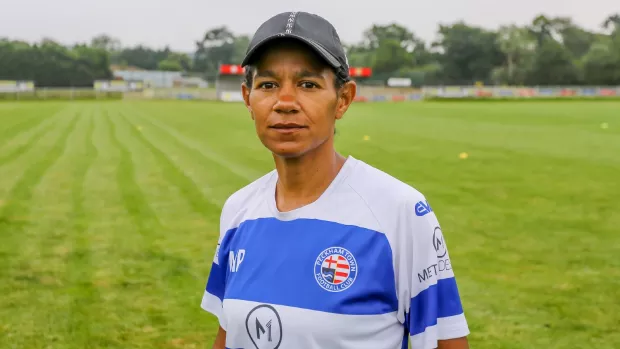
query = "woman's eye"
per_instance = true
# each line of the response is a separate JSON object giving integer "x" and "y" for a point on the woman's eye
{"x": 267, "y": 85}
{"x": 307, "y": 84}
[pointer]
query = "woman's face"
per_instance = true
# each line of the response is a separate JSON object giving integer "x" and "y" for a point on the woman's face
{"x": 293, "y": 100}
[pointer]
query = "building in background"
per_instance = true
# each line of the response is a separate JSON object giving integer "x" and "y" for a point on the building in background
{"x": 228, "y": 83}
{"x": 160, "y": 78}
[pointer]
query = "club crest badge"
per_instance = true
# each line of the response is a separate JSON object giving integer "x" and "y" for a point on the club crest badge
{"x": 335, "y": 269}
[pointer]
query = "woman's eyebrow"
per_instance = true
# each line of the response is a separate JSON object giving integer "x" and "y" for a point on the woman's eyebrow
{"x": 309, "y": 74}
{"x": 305, "y": 73}
{"x": 265, "y": 74}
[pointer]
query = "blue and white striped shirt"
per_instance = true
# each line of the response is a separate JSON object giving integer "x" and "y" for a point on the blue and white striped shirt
{"x": 364, "y": 266}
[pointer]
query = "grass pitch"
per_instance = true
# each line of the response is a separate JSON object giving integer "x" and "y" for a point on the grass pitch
{"x": 109, "y": 214}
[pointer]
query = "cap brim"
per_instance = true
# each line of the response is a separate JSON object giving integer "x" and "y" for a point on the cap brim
{"x": 331, "y": 60}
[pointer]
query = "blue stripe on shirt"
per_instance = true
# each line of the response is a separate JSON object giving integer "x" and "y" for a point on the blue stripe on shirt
{"x": 279, "y": 263}
{"x": 437, "y": 301}
{"x": 216, "y": 285}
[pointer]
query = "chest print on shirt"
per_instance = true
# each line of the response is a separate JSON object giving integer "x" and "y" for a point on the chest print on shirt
{"x": 264, "y": 327}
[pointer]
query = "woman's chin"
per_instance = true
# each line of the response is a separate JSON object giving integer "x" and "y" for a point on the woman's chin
{"x": 288, "y": 149}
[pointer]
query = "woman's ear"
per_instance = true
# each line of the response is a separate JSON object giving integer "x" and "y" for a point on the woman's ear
{"x": 346, "y": 96}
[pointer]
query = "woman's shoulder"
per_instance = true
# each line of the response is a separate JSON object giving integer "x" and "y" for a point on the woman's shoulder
{"x": 241, "y": 195}
{"x": 378, "y": 185}
{"x": 393, "y": 202}
{"x": 244, "y": 197}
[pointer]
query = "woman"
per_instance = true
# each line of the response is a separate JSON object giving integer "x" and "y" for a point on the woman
{"x": 325, "y": 251}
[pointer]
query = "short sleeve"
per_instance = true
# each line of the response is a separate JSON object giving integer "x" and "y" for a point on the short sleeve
{"x": 434, "y": 310}
{"x": 213, "y": 297}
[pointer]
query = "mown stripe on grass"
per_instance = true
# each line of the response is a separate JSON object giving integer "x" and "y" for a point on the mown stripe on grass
{"x": 26, "y": 146}
{"x": 171, "y": 270}
{"x": 10, "y": 123}
{"x": 147, "y": 268}
{"x": 243, "y": 172}
{"x": 79, "y": 265}
{"x": 10, "y": 120}
{"x": 19, "y": 128}
{"x": 135, "y": 203}
{"x": 21, "y": 193}
{"x": 16, "y": 199}
{"x": 18, "y": 138}
{"x": 19, "y": 232}
{"x": 50, "y": 238}
{"x": 173, "y": 174}
{"x": 111, "y": 233}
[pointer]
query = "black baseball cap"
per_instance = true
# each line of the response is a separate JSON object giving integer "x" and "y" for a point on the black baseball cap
{"x": 313, "y": 30}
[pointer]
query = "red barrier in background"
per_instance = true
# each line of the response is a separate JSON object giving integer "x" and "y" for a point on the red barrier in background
{"x": 567, "y": 92}
{"x": 607, "y": 92}
{"x": 231, "y": 69}
{"x": 527, "y": 92}
{"x": 360, "y": 72}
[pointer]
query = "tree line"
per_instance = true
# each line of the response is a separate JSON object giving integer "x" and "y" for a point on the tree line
{"x": 50, "y": 64}
{"x": 547, "y": 51}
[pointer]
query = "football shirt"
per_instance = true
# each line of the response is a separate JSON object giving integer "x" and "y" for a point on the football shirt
{"x": 364, "y": 266}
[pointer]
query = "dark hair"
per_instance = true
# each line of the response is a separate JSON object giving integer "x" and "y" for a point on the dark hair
{"x": 249, "y": 78}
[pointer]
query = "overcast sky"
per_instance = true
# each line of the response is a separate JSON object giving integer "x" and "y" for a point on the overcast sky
{"x": 178, "y": 23}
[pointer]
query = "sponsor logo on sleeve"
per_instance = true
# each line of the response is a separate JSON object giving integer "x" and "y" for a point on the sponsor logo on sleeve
{"x": 335, "y": 269}
{"x": 422, "y": 208}
{"x": 438, "y": 243}
{"x": 443, "y": 264}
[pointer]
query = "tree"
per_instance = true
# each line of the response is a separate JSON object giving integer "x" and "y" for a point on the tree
{"x": 359, "y": 56}
{"x": 394, "y": 47}
{"x": 553, "y": 65}
{"x": 541, "y": 28}
{"x": 376, "y": 35}
{"x": 106, "y": 43}
{"x": 390, "y": 56}
{"x": 518, "y": 47}
{"x": 469, "y": 54}
{"x": 216, "y": 47}
{"x": 240, "y": 44}
{"x": 169, "y": 65}
{"x": 574, "y": 38}
{"x": 612, "y": 22}
{"x": 50, "y": 64}
{"x": 601, "y": 66}
{"x": 181, "y": 60}
{"x": 141, "y": 57}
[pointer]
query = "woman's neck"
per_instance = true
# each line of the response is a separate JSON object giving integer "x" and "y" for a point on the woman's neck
{"x": 303, "y": 180}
